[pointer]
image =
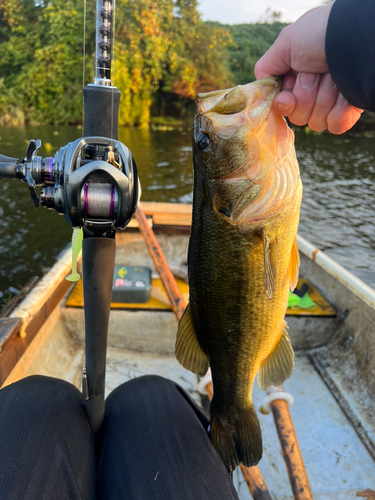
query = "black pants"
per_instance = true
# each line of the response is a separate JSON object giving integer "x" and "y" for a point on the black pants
{"x": 154, "y": 445}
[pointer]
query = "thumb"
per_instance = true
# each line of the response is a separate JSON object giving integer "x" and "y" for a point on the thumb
{"x": 277, "y": 60}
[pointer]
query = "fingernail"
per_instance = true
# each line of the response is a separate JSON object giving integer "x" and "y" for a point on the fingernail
{"x": 341, "y": 100}
{"x": 307, "y": 80}
{"x": 327, "y": 82}
{"x": 283, "y": 107}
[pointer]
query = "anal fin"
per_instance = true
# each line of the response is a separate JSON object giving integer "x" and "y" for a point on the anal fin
{"x": 294, "y": 265}
{"x": 188, "y": 351}
{"x": 279, "y": 365}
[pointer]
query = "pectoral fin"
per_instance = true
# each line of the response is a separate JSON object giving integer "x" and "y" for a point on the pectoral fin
{"x": 294, "y": 266}
{"x": 269, "y": 254}
{"x": 279, "y": 365}
{"x": 188, "y": 351}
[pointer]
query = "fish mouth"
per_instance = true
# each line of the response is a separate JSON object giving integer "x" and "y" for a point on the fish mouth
{"x": 233, "y": 101}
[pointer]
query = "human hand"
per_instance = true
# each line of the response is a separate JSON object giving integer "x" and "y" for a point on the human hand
{"x": 308, "y": 94}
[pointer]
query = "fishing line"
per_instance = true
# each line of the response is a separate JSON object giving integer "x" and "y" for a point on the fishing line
{"x": 84, "y": 58}
{"x": 113, "y": 58}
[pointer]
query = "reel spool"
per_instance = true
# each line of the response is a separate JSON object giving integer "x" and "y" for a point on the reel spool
{"x": 93, "y": 182}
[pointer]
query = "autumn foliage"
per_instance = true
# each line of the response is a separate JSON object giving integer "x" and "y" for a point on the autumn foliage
{"x": 164, "y": 55}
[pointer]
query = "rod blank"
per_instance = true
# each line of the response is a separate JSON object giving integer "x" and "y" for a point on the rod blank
{"x": 98, "y": 261}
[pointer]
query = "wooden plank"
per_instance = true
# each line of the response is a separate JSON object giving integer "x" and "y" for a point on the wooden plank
{"x": 10, "y": 349}
{"x": 8, "y": 328}
{"x": 11, "y": 306}
{"x": 158, "y": 302}
{"x": 15, "y": 346}
{"x": 21, "y": 368}
{"x": 177, "y": 215}
{"x": 46, "y": 309}
{"x": 166, "y": 214}
{"x": 159, "y": 299}
{"x": 151, "y": 208}
{"x": 165, "y": 219}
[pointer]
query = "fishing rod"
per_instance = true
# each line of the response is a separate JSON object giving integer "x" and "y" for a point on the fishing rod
{"x": 93, "y": 182}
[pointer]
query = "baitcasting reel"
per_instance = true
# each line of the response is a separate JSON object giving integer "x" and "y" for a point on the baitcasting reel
{"x": 92, "y": 181}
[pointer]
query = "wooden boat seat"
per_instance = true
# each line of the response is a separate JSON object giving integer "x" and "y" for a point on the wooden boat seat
{"x": 159, "y": 299}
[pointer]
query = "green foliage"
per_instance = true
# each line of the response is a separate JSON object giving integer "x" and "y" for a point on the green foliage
{"x": 142, "y": 43}
{"x": 165, "y": 54}
{"x": 196, "y": 62}
{"x": 41, "y": 61}
{"x": 249, "y": 43}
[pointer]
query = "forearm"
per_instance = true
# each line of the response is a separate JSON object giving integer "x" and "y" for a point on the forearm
{"x": 350, "y": 50}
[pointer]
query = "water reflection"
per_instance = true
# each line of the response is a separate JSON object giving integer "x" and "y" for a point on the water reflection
{"x": 164, "y": 163}
{"x": 337, "y": 212}
{"x": 30, "y": 238}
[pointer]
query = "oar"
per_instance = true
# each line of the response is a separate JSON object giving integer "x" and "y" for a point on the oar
{"x": 289, "y": 444}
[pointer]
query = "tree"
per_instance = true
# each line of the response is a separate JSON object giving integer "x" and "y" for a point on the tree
{"x": 41, "y": 61}
{"x": 164, "y": 55}
{"x": 271, "y": 16}
{"x": 143, "y": 40}
{"x": 249, "y": 43}
{"x": 196, "y": 60}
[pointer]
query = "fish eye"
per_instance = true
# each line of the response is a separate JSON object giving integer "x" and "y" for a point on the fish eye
{"x": 203, "y": 141}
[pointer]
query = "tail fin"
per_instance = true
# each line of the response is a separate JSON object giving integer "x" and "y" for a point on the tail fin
{"x": 237, "y": 438}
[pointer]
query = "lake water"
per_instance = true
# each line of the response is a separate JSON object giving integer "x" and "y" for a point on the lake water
{"x": 337, "y": 215}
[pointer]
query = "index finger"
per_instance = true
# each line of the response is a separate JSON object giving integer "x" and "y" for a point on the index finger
{"x": 276, "y": 61}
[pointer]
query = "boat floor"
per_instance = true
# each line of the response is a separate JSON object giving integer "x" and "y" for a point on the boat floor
{"x": 337, "y": 462}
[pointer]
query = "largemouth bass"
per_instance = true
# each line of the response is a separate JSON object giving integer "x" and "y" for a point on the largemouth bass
{"x": 243, "y": 258}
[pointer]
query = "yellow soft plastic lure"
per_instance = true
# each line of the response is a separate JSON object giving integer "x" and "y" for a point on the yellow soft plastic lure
{"x": 76, "y": 248}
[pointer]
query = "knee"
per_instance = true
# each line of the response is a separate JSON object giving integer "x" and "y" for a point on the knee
{"x": 38, "y": 390}
{"x": 141, "y": 386}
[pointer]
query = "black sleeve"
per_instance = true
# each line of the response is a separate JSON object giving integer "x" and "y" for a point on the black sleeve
{"x": 350, "y": 50}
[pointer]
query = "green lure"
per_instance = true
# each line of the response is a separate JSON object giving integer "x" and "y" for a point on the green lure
{"x": 305, "y": 302}
{"x": 76, "y": 248}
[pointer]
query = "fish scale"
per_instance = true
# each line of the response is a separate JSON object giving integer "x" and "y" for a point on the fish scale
{"x": 242, "y": 259}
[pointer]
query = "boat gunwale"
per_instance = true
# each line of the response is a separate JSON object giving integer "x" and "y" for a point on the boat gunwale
{"x": 342, "y": 275}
